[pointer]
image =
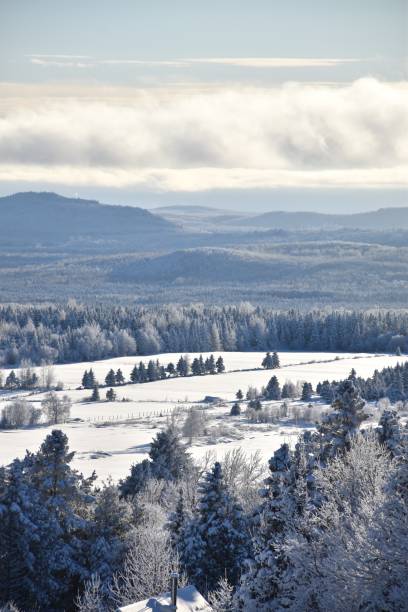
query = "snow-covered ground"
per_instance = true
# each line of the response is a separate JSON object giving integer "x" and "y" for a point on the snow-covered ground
{"x": 106, "y": 440}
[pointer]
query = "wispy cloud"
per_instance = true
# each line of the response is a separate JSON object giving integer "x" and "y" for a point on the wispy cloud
{"x": 83, "y": 61}
{"x": 292, "y": 135}
{"x": 275, "y": 62}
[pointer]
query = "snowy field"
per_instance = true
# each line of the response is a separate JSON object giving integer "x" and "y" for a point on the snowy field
{"x": 110, "y": 436}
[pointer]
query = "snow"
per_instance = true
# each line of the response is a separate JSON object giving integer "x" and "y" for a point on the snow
{"x": 105, "y": 440}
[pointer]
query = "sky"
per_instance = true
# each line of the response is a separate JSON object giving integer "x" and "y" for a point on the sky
{"x": 235, "y": 104}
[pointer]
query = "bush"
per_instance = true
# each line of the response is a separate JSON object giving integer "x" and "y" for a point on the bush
{"x": 19, "y": 413}
{"x": 235, "y": 410}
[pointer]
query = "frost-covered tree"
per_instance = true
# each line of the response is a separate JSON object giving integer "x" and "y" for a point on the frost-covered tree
{"x": 267, "y": 361}
{"x": 57, "y": 410}
{"x": 214, "y": 544}
{"x": 169, "y": 457}
{"x": 111, "y": 523}
{"x": 273, "y": 390}
{"x": 338, "y": 427}
{"x": 262, "y": 585}
{"x": 221, "y": 599}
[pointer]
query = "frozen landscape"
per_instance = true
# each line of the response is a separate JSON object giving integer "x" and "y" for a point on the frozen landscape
{"x": 109, "y": 437}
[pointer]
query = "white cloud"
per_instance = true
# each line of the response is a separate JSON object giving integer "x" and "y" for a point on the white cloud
{"x": 84, "y": 61}
{"x": 291, "y": 135}
{"x": 275, "y": 62}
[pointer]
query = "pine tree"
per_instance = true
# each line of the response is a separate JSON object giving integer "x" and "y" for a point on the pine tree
{"x": 110, "y": 379}
{"x": 112, "y": 520}
{"x": 85, "y": 380}
{"x": 220, "y": 365}
{"x": 239, "y": 395}
{"x": 12, "y": 382}
{"x": 273, "y": 390}
{"x": 177, "y": 520}
{"x": 17, "y": 538}
{"x": 214, "y": 544}
{"x": 261, "y": 585}
{"x": 275, "y": 361}
{"x": 182, "y": 366}
{"x": 169, "y": 457}
{"x": 134, "y": 375}
{"x": 340, "y": 425}
{"x": 65, "y": 495}
{"x": 110, "y": 395}
{"x": 267, "y": 361}
{"x": 306, "y": 395}
{"x": 95, "y": 397}
{"x": 196, "y": 367}
{"x": 288, "y": 390}
{"x": 142, "y": 372}
{"x": 235, "y": 409}
{"x": 91, "y": 379}
{"x": 170, "y": 369}
{"x": 119, "y": 378}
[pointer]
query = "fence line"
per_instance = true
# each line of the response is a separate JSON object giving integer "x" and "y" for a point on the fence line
{"x": 130, "y": 417}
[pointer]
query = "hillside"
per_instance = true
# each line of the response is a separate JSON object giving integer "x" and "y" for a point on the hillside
{"x": 382, "y": 219}
{"x": 50, "y": 219}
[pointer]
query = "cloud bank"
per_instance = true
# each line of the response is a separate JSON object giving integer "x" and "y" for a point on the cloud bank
{"x": 291, "y": 135}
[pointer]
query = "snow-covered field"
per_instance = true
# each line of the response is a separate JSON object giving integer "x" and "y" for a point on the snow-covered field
{"x": 106, "y": 440}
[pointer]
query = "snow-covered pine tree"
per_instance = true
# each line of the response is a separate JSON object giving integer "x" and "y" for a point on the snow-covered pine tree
{"x": 169, "y": 457}
{"x": 275, "y": 360}
{"x": 215, "y": 543}
{"x": 262, "y": 586}
{"x": 273, "y": 390}
{"x": 267, "y": 361}
{"x": 338, "y": 426}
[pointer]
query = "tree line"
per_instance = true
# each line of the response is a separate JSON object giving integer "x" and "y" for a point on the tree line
{"x": 74, "y": 332}
{"x": 390, "y": 382}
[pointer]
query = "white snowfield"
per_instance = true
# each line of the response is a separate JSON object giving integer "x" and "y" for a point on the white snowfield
{"x": 107, "y": 440}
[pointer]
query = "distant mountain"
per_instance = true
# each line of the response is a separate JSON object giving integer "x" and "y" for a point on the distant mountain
{"x": 382, "y": 219}
{"x": 46, "y": 219}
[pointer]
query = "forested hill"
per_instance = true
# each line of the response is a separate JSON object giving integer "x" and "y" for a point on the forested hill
{"x": 48, "y": 218}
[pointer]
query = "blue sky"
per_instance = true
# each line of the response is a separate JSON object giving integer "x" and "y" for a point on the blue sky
{"x": 204, "y": 98}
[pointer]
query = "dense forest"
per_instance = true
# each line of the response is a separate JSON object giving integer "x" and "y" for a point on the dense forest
{"x": 75, "y": 332}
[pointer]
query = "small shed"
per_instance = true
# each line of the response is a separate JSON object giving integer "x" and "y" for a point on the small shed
{"x": 188, "y": 600}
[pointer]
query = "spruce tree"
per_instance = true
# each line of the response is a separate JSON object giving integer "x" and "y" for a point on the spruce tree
{"x": 169, "y": 457}
{"x": 220, "y": 365}
{"x": 267, "y": 361}
{"x": 170, "y": 369}
{"x": 119, "y": 378}
{"x": 85, "y": 380}
{"x": 262, "y": 583}
{"x": 306, "y": 395}
{"x": 235, "y": 409}
{"x": 239, "y": 395}
{"x": 177, "y": 520}
{"x": 273, "y": 390}
{"x": 95, "y": 397}
{"x": 110, "y": 379}
{"x": 134, "y": 375}
{"x": 110, "y": 395}
{"x": 275, "y": 360}
{"x": 214, "y": 544}
{"x": 196, "y": 367}
{"x": 340, "y": 425}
